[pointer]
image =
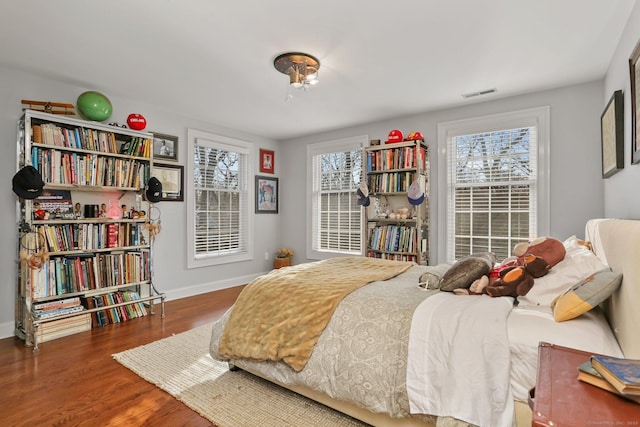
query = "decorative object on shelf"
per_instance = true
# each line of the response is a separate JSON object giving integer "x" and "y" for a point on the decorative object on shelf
{"x": 153, "y": 222}
{"x": 33, "y": 250}
{"x": 165, "y": 147}
{"x": 301, "y": 68}
{"x": 172, "y": 179}
{"x": 415, "y": 136}
{"x": 136, "y": 121}
{"x": 94, "y": 106}
{"x": 154, "y": 190}
{"x": 27, "y": 183}
{"x": 416, "y": 193}
{"x": 612, "y": 135}
{"x": 266, "y": 194}
{"x": 267, "y": 161}
{"x": 363, "y": 194}
{"x": 50, "y": 107}
{"x": 394, "y": 136}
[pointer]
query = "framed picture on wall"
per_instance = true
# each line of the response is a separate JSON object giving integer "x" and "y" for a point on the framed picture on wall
{"x": 612, "y": 135}
{"x": 267, "y": 161}
{"x": 266, "y": 194}
{"x": 165, "y": 147}
{"x": 172, "y": 179}
{"x": 634, "y": 71}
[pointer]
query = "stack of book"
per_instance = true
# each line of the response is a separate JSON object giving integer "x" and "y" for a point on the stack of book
{"x": 53, "y": 329}
{"x": 57, "y": 308}
{"x": 614, "y": 374}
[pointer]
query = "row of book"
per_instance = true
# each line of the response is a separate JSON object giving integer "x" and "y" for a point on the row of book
{"x": 80, "y": 273}
{"x": 57, "y": 167}
{"x": 616, "y": 375}
{"x": 390, "y": 182}
{"x": 90, "y": 236}
{"x": 90, "y": 139}
{"x": 393, "y": 238}
{"x": 115, "y": 314}
{"x": 394, "y": 257}
{"x": 396, "y": 158}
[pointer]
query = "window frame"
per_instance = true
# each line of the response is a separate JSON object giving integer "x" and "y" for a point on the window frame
{"x": 230, "y": 144}
{"x": 346, "y": 144}
{"x": 538, "y": 117}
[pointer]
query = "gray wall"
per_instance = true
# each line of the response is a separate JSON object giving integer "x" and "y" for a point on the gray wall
{"x": 576, "y": 184}
{"x": 621, "y": 190}
{"x": 171, "y": 273}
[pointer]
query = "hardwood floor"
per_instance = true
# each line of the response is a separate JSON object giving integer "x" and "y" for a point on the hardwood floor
{"x": 74, "y": 381}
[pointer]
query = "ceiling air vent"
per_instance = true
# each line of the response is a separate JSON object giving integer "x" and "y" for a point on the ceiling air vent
{"x": 481, "y": 92}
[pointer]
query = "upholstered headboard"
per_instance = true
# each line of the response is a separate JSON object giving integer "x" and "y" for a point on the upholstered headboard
{"x": 617, "y": 242}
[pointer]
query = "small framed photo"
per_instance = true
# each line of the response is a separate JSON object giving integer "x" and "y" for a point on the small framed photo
{"x": 165, "y": 147}
{"x": 172, "y": 179}
{"x": 266, "y": 194}
{"x": 267, "y": 161}
{"x": 612, "y": 134}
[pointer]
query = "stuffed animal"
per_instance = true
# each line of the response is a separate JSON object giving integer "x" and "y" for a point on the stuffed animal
{"x": 513, "y": 281}
{"x": 550, "y": 249}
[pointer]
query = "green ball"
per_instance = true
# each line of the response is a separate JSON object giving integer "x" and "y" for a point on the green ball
{"x": 94, "y": 106}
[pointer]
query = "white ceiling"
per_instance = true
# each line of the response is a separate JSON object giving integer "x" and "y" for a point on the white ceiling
{"x": 379, "y": 59}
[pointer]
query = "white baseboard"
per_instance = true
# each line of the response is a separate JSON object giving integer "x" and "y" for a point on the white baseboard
{"x": 7, "y": 328}
{"x": 203, "y": 288}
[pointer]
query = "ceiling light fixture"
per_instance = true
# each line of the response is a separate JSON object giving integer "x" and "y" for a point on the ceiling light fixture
{"x": 301, "y": 68}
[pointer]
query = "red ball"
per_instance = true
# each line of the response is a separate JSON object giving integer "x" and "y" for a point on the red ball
{"x": 136, "y": 121}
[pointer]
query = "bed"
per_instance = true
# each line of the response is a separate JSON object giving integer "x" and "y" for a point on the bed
{"x": 394, "y": 354}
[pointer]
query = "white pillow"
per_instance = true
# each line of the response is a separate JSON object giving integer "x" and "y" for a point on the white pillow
{"x": 578, "y": 263}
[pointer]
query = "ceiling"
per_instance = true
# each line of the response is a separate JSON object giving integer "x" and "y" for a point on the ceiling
{"x": 213, "y": 60}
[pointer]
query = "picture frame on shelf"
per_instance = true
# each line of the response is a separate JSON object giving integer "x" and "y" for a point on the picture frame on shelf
{"x": 172, "y": 179}
{"x": 165, "y": 147}
{"x": 266, "y": 194}
{"x": 634, "y": 72}
{"x": 612, "y": 135}
{"x": 267, "y": 161}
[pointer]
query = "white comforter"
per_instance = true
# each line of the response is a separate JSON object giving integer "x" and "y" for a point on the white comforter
{"x": 456, "y": 361}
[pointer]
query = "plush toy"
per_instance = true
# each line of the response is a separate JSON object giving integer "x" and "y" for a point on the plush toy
{"x": 513, "y": 281}
{"x": 547, "y": 248}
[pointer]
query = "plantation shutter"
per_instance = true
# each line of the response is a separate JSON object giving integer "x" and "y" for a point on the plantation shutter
{"x": 492, "y": 191}
{"x": 221, "y": 199}
{"x": 336, "y": 171}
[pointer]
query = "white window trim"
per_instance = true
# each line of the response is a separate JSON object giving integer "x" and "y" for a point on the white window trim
{"x": 321, "y": 148}
{"x": 233, "y": 144}
{"x": 538, "y": 117}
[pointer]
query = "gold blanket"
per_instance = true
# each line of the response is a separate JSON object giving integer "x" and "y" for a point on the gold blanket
{"x": 280, "y": 316}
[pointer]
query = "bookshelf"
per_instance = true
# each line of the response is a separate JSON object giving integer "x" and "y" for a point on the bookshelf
{"x": 84, "y": 248}
{"x": 395, "y": 228}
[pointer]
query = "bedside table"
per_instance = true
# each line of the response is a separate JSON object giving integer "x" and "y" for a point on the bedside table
{"x": 560, "y": 399}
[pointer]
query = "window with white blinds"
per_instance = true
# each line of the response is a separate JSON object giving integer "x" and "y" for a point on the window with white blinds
{"x": 493, "y": 186}
{"x": 220, "y": 193}
{"x": 336, "y": 218}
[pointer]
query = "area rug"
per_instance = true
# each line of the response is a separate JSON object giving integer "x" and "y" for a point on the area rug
{"x": 181, "y": 366}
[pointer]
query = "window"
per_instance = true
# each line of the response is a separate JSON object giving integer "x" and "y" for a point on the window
{"x": 495, "y": 190}
{"x": 335, "y": 170}
{"x": 218, "y": 191}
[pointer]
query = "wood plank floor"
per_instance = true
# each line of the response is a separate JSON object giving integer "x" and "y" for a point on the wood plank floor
{"x": 74, "y": 381}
